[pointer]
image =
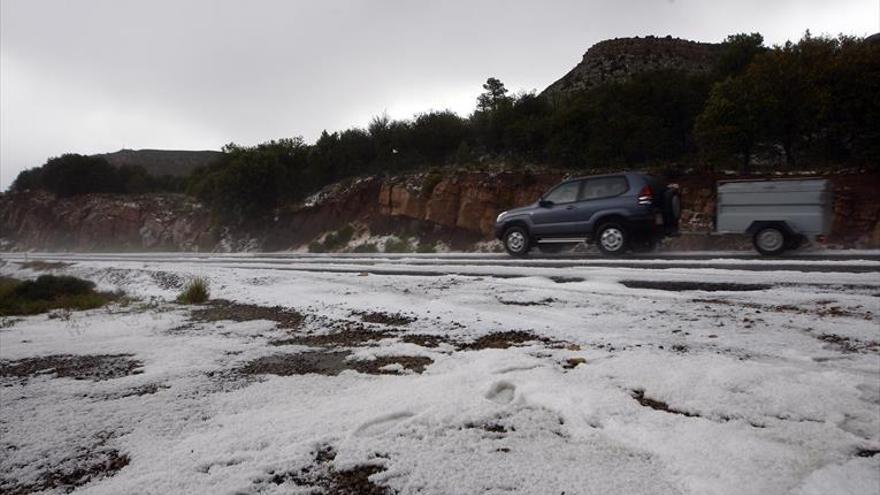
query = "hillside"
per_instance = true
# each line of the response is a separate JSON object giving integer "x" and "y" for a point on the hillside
{"x": 416, "y": 211}
{"x": 619, "y": 59}
{"x": 178, "y": 163}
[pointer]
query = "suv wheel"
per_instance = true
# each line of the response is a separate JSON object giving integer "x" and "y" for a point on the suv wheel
{"x": 770, "y": 241}
{"x": 612, "y": 239}
{"x": 516, "y": 241}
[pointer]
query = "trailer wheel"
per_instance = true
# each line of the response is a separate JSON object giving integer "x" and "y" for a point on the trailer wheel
{"x": 770, "y": 241}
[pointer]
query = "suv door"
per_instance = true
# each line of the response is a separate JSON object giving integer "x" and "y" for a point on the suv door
{"x": 597, "y": 195}
{"x": 559, "y": 218}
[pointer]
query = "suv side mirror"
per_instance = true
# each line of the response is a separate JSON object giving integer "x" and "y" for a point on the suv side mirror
{"x": 545, "y": 203}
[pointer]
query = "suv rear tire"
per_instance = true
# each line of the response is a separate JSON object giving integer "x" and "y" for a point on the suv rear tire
{"x": 770, "y": 241}
{"x": 516, "y": 241}
{"x": 612, "y": 239}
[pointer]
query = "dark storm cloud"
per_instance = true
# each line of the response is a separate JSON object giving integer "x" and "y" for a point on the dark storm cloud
{"x": 98, "y": 75}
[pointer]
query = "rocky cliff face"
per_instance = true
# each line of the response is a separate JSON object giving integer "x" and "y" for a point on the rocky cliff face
{"x": 621, "y": 58}
{"x": 37, "y": 220}
{"x": 457, "y": 207}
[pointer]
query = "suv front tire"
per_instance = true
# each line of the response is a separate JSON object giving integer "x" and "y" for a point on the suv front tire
{"x": 516, "y": 241}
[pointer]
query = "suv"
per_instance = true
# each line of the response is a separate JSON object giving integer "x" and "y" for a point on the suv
{"x": 617, "y": 211}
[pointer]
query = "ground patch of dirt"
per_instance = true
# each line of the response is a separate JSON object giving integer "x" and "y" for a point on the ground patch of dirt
{"x": 148, "y": 389}
{"x": 95, "y": 367}
{"x": 820, "y": 308}
{"x": 221, "y": 309}
{"x": 543, "y": 302}
{"x": 390, "y": 319}
{"x": 424, "y": 340}
{"x": 330, "y": 363}
{"x": 167, "y": 280}
{"x": 683, "y": 286}
{"x": 351, "y": 336}
{"x": 44, "y": 266}
{"x": 566, "y": 280}
{"x": 503, "y": 340}
{"x": 658, "y": 405}
{"x": 323, "y": 476}
{"x": 416, "y": 364}
{"x": 90, "y": 463}
{"x": 849, "y": 345}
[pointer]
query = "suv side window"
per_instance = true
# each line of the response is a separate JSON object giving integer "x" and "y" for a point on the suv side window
{"x": 603, "y": 187}
{"x": 564, "y": 193}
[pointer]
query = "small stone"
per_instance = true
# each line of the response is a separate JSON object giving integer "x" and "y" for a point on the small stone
{"x": 573, "y": 362}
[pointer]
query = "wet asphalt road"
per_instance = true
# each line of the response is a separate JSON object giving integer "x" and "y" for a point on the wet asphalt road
{"x": 439, "y": 264}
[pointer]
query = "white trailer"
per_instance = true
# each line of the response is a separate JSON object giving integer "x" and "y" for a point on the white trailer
{"x": 779, "y": 214}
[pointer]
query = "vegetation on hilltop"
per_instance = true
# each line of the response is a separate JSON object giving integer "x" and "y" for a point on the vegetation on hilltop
{"x": 814, "y": 101}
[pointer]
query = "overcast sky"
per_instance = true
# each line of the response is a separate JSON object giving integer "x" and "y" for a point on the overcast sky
{"x": 90, "y": 76}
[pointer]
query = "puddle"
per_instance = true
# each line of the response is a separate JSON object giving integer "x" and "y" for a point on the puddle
{"x": 323, "y": 477}
{"x": 332, "y": 363}
{"x": 95, "y": 367}
{"x": 684, "y": 286}
{"x": 220, "y": 310}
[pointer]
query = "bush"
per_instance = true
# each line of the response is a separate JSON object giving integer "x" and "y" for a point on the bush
{"x": 425, "y": 247}
{"x": 395, "y": 245}
{"x": 46, "y": 293}
{"x": 195, "y": 292}
{"x": 333, "y": 241}
{"x": 366, "y": 248}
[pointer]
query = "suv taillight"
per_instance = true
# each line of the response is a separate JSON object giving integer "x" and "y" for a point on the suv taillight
{"x": 646, "y": 196}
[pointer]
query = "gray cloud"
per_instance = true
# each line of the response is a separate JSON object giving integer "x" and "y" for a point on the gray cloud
{"x": 97, "y": 75}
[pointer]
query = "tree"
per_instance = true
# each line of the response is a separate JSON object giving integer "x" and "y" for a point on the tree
{"x": 494, "y": 95}
{"x": 731, "y": 121}
{"x": 737, "y": 52}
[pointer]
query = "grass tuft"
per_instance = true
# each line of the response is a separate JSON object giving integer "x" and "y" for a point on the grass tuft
{"x": 195, "y": 292}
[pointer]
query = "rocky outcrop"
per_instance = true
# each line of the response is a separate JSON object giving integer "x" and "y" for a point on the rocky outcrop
{"x": 619, "y": 59}
{"x": 37, "y": 220}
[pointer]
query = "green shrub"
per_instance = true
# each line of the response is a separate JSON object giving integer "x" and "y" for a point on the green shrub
{"x": 338, "y": 239}
{"x": 333, "y": 241}
{"x": 195, "y": 292}
{"x": 46, "y": 293}
{"x": 425, "y": 247}
{"x": 395, "y": 245}
{"x": 366, "y": 248}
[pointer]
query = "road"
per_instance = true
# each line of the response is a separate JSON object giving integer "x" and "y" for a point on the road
{"x": 487, "y": 264}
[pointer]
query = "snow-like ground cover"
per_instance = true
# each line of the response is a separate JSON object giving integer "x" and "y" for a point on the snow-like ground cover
{"x": 614, "y": 390}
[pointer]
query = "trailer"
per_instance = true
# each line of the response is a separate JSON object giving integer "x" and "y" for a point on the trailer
{"x": 779, "y": 214}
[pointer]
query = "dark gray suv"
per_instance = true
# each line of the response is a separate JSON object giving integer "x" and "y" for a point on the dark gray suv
{"x": 618, "y": 212}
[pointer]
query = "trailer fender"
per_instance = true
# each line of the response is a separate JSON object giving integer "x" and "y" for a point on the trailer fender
{"x": 779, "y": 224}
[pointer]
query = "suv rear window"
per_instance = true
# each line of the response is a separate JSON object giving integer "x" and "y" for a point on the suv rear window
{"x": 603, "y": 187}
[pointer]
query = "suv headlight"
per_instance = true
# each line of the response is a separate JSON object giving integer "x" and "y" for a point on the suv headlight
{"x": 500, "y": 216}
